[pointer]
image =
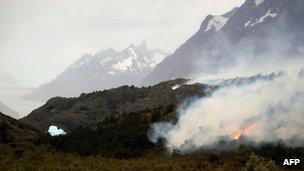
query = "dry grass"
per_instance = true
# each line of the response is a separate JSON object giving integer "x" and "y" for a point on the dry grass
{"x": 30, "y": 157}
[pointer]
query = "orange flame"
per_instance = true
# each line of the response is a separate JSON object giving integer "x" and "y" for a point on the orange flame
{"x": 246, "y": 132}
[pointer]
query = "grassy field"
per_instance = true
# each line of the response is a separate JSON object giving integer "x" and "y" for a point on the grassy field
{"x": 27, "y": 156}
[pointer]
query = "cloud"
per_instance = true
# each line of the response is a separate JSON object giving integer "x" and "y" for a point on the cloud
{"x": 6, "y": 79}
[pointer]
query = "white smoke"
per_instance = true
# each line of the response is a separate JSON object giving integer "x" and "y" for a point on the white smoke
{"x": 263, "y": 111}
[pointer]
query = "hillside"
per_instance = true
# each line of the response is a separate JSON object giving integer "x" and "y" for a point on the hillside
{"x": 70, "y": 113}
{"x": 12, "y": 130}
{"x": 121, "y": 143}
{"x": 120, "y": 140}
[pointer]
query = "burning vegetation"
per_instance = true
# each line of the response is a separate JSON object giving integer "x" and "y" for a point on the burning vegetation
{"x": 245, "y": 132}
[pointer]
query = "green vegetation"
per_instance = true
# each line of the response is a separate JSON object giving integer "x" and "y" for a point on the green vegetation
{"x": 26, "y": 156}
{"x": 121, "y": 137}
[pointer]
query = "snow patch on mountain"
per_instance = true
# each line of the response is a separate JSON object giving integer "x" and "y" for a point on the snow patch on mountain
{"x": 132, "y": 61}
{"x": 81, "y": 63}
{"x": 105, "y": 61}
{"x": 247, "y": 23}
{"x": 123, "y": 64}
{"x": 258, "y": 2}
{"x": 269, "y": 14}
{"x": 112, "y": 72}
{"x": 217, "y": 22}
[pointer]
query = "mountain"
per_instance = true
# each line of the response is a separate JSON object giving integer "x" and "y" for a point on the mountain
{"x": 5, "y": 109}
{"x": 104, "y": 70}
{"x": 12, "y": 130}
{"x": 253, "y": 30}
{"x": 70, "y": 113}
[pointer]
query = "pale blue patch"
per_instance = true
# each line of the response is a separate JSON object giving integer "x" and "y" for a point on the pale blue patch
{"x": 55, "y": 131}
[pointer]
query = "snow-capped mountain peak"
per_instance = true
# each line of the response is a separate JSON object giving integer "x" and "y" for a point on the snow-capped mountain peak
{"x": 136, "y": 59}
{"x": 133, "y": 59}
{"x": 106, "y": 69}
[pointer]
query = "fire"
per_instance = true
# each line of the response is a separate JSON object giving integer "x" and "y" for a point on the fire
{"x": 246, "y": 132}
{"x": 236, "y": 135}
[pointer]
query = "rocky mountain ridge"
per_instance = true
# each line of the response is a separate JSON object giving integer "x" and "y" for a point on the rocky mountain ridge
{"x": 106, "y": 69}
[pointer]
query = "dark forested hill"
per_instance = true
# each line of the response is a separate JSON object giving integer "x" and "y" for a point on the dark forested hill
{"x": 13, "y": 130}
{"x": 70, "y": 113}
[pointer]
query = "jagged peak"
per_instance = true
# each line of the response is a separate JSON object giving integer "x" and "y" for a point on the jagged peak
{"x": 106, "y": 51}
{"x": 110, "y": 50}
{"x": 142, "y": 48}
{"x": 129, "y": 48}
{"x": 143, "y": 44}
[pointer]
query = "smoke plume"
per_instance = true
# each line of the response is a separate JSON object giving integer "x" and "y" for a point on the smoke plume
{"x": 263, "y": 110}
{"x": 260, "y": 97}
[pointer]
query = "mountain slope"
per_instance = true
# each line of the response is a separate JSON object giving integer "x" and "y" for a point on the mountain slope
{"x": 13, "y": 130}
{"x": 104, "y": 70}
{"x": 253, "y": 31}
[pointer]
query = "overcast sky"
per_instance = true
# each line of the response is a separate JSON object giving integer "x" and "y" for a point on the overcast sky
{"x": 40, "y": 38}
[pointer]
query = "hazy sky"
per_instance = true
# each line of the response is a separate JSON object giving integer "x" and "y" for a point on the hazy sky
{"x": 40, "y": 38}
